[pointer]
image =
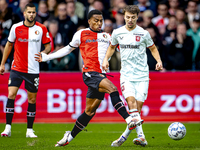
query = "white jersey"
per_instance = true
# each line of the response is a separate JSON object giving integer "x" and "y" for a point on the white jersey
{"x": 133, "y": 46}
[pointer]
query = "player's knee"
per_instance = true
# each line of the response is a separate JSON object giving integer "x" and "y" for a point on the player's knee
{"x": 90, "y": 111}
{"x": 12, "y": 95}
{"x": 32, "y": 100}
{"x": 113, "y": 88}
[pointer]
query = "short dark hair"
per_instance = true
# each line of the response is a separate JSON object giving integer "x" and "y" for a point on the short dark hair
{"x": 134, "y": 9}
{"x": 29, "y": 5}
{"x": 93, "y": 12}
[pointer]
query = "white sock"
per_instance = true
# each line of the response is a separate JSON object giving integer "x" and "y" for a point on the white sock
{"x": 70, "y": 138}
{"x": 8, "y": 126}
{"x": 29, "y": 129}
{"x": 126, "y": 133}
{"x": 128, "y": 119}
{"x": 138, "y": 129}
{"x": 134, "y": 113}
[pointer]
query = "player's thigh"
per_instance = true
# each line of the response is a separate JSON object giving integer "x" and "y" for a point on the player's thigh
{"x": 127, "y": 88}
{"x": 107, "y": 86}
{"x": 141, "y": 92}
{"x": 31, "y": 82}
{"x": 14, "y": 82}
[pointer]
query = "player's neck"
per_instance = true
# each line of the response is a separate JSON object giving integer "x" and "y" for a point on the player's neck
{"x": 29, "y": 24}
{"x": 130, "y": 29}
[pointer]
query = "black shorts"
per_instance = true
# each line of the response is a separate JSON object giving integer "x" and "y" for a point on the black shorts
{"x": 31, "y": 80}
{"x": 92, "y": 80}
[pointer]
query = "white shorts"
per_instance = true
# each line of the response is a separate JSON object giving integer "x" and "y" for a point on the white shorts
{"x": 137, "y": 89}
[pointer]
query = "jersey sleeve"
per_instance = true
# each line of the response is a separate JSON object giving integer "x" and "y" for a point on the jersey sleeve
{"x": 149, "y": 41}
{"x": 114, "y": 40}
{"x": 76, "y": 39}
{"x": 45, "y": 37}
{"x": 12, "y": 35}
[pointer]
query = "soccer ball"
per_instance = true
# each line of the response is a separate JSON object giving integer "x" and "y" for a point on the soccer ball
{"x": 176, "y": 131}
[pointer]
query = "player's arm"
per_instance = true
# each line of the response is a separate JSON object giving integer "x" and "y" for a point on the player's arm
{"x": 109, "y": 53}
{"x": 6, "y": 53}
{"x": 47, "y": 49}
{"x": 42, "y": 57}
{"x": 156, "y": 55}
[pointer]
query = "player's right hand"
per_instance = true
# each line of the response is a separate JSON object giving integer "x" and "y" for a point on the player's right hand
{"x": 38, "y": 57}
{"x": 2, "y": 69}
{"x": 105, "y": 65}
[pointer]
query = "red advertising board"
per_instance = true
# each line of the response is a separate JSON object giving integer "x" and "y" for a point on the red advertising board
{"x": 173, "y": 96}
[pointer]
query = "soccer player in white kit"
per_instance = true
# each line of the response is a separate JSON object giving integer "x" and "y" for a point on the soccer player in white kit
{"x": 134, "y": 74}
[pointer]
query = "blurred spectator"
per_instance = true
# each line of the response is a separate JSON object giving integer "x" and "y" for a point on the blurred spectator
{"x": 65, "y": 63}
{"x": 181, "y": 17}
{"x": 170, "y": 31}
{"x": 147, "y": 21}
{"x": 80, "y": 8}
{"x": 180, "y": 52}
{"x": 162, "y": 20}
{"x": 66, "y": 26}
{"x": 52, "y": 5}
{"x": 20, "y": 10}
{"x": 119, "y": 19}
{"x": 147, "y": 4}
{"x": 55, "y": 36}
{"x": 7, "y": 19}
{"x": 116, "y": 5}
{"x": 197, "y": 60}
{"x": 161, "y": 48}
{"x": 43, "y": 13}
{"x": 173, "y": 6}
{"x": 115, "y": 59}
{"x": 192, "y": 11}
{"x": 140, "y": 21}
{"x": 194, "y": 32}
{"x": 97, "y": 4}
{"x": 71, "y": 7}
{"x": 108, "y": 26}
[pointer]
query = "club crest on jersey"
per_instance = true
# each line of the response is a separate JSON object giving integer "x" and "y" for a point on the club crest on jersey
{"x": 101, "y": 75}
{"x": 137, "y": 38}
{"x": 47, "y": 35}
{"x": 37, "y": 32}
{"x": 105, "y": 36}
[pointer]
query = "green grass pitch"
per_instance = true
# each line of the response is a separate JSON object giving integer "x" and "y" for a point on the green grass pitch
{"x": 99, "y": 137}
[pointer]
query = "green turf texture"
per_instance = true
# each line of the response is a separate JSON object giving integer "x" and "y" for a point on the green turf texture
{"x": 99, "y": 137}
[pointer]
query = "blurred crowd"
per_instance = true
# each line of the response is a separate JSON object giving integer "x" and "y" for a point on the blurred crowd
{"x": 174, "y": 26}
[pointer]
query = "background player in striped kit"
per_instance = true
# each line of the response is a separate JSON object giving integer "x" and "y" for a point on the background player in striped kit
{"x": 133, "y": 41}
{"x": 93, "y": 44}
{"x": 27, "y": 36}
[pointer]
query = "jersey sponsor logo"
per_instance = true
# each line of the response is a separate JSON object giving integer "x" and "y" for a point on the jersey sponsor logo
{"x": 138, "y": 34}
{"x": 28, "y": 40}
{"x": 96, "y": 40}
{"x": 137, "y": 38}
{"x": 37, "y": 32}
{"x": 129, "y": 46}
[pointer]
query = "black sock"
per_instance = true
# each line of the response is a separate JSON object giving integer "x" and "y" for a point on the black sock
{"x": 9, "y": 111}
{"x": 31, "y": 115}
{"x": 81, "y": 123}
{"x": 118, "y": 104}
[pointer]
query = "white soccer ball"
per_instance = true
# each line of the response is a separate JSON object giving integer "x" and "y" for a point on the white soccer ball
{"x": 176, "y": 131}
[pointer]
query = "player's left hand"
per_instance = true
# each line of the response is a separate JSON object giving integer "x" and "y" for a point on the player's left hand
{"x": 159, "y": 66}
{"x": 38, "y": 57}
